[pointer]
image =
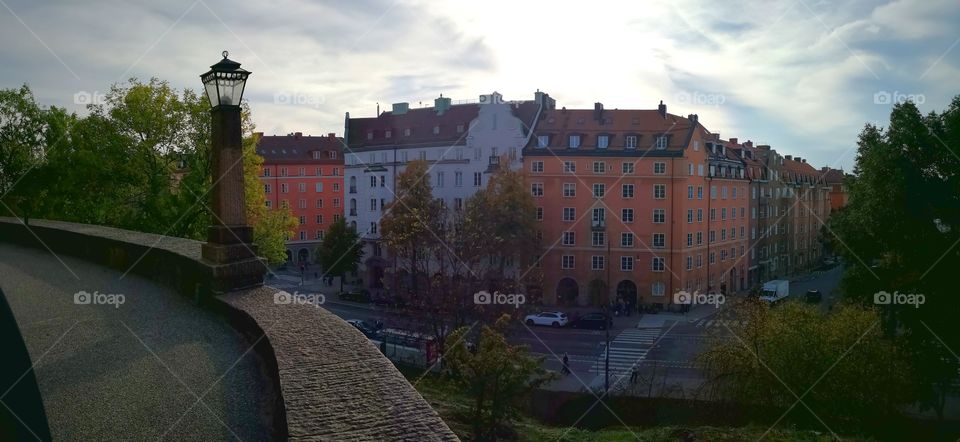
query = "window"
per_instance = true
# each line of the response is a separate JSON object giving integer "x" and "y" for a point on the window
{"x": 569, "y": 238}
{"x": 689, "y": 192}
{"x": 566, "y": 262}
{"x": 318, "y": 187}
{"x": 689, "y": 240}
{"x": 689, "y": 216}
{"x": 458, "y": 204}
{"x": 303, "y": 220}
{"x": 713, "y": 192}
{"x": 658, "y": 289}
{"x": 630, "y": 142}
{"x": 319, "y": 234}
{"x": 657, "y": 264}
{"x": 713, "y": 214}
{"x": 659, "y": 168}
{"x": 626, "y": 263}
{"x": 699, "y": 261}
{"x": 574, "y": 141}
{"x": 690, "y": 169}
{"x": 436, "y": 130}
{"x": 699, "y": 238}
{"x": 373, "y": 227}
{"x": 283, "y": 188}
{"x": 303, "y": 235}
{"x": 302, "y": 187}
{"x": 440, "y": 176}
{"x": 659, "y": 191}
{"x": 713, "y": 236}
{"x": 659, "y": 240}
{"x": 723, "y": 192}
{"x": 627, "y": 191}
{"x": 535, "y": 167}
{"x": 569, "y": 190}
{"x": 266, "y": 172}
{"x": 569, "y": 167}
{"x": 627, "y": 168}
{"x": 596, "y": 263}
{"x": 268, "y": 203}
{"x": 689, "y": 263}
{"x": 699, "y": 215}
{"x": 661, "y": 142}
{"x": 543, "y": 141}
{"x": 599, "y": 167}
{"x": 283, "y": 171}
{"x": 626, "y": 239}
{"x": 266, "y": 188}
{"x": 599, "y": 189}
{"x": 458, "y": 179}
{"x": 336, "y": 202}
{"x": 319, "y": 219}
{"x": 659, "y": 216}
{"x": 723, "y": 213}
{"x": 599, "y": 239}
{"x": 301, "y": 172}
{"x": 302, "y": 203}
{"x": 478, "y": 179}
{"x": 723, "y": 234}
{"x": 332, "y": 154}
{"x": 626, "y": 215}
{"x": 603, "y": 141}
{"x": 569, "y": 213}
{"x": 320, "y": 203}
{"x": 700, "y": 169}
{"x": 699, "y": 192}
{"x": 373, "y": 204}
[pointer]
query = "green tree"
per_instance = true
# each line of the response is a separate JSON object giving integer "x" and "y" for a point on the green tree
{"x": 896, "y": 233}
{"x": 408, "y": 226}
{"x": 23, "y": 135}
{"x": 272, "y": 227}
{"x": 341, "y": 250}
{"x": 497, "y": 375}
{"x": 785, "y": 351}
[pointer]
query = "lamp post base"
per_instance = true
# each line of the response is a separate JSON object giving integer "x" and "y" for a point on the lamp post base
{"x": 236, "y": 275}
{"x": 232, "y": 258}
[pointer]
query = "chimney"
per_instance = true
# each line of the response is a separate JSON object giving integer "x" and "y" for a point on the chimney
{"x": 797, "y": 159}
{"x": 441, "y": 105}
{"x": 733, "y": 141}
{"x": 763, "y": 146}
{"x": 693, "y": 118}
{"x": 598, "y": 112}
{"x": 400, "y": 108}
{"x": 662, "y": 108}
{"x": 331, "y": 135}
{"x": 748, "y": 143}
{"x": 297, "y": 134}
{"x": 788, "y": 157}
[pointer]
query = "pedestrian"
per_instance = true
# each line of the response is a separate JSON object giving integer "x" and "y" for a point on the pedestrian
{"x": 566, "y": 363}
{"x": 634, "y": 373}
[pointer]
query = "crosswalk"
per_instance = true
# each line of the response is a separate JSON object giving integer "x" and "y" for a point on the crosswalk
{"x": 626, "y": 350}
{"x": 731, "y": 323}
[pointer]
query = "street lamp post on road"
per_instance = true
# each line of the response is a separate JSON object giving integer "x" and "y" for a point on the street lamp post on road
{"x": 229, "y": 251}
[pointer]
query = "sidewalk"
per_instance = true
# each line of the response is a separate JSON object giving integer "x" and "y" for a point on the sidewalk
{"x": 660, "y": 320}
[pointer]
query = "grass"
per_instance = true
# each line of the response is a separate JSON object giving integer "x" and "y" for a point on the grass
{"x": 454, "y": 407}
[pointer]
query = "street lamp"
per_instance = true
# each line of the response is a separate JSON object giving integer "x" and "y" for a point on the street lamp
{"x": 229, "y": 251}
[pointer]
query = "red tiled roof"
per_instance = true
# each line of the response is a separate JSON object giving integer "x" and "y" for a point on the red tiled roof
{"x": 831, "y": 176}
{"x": 646, "y": 124}
{"x": 294, "y": 148}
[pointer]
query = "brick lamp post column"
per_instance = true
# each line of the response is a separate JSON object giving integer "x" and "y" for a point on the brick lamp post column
{"x": 229, "y": 250}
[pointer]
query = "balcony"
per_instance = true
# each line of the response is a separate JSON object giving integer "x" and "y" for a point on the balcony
{"x": 353, "y": 212}
{"x": 353, "y": 189}
{"x": 493, "y": 163}
{"x": 598, "y": 225}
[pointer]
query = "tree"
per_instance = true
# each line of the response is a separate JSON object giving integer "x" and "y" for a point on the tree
{"x": 895, "y": 234}
{"x": 792, "y": 348}
{"x": 497, "y": 375}
{"x": 341, "y": 250}
{"x": 410, "y": 220}
{"x": 272, "y": 227}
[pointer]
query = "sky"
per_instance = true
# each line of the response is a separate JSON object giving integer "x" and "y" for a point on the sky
{"x": 801, "y": 75}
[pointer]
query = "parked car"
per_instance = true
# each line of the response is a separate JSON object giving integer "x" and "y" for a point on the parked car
{"x": 593, "y": 321}
{"x": 554, "y": 319}
{"x": 813, "y": 296}
{"x": 360, "y": 295}
{"x": 369, "y": 330}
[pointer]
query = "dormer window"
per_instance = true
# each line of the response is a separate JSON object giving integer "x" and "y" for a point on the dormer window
{"x": 332, "y": 154}
{"x": 406, "y": 132}
{"x": 370, "y": 135}
{"x": 543, "y": 141}
{"x": 316, "y": 154}
{"x": 460, "y": 128}
{"x": 436, "y": 130}
{"x": 603, "y": 141}
{"x": 661, "y": 142}
{"x": 574, "y": 141}
{"x": 388, "y": 134}
{"x": 630, "y": 142}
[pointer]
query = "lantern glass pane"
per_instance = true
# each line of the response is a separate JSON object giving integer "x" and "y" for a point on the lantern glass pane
{"x": 211, "y": 86}
{"x": 230, "y": 87}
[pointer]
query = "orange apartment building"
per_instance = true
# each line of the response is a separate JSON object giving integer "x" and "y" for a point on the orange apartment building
{"x": 636, "y": 204}
{"x": 303, "y": 173}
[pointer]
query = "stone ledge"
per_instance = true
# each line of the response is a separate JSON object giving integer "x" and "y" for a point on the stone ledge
{"x": 333, "y": 384}
{"x": 336, "y": 385}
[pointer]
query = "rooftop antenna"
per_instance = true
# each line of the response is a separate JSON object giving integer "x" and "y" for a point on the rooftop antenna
{"x": 378, "y": 108}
